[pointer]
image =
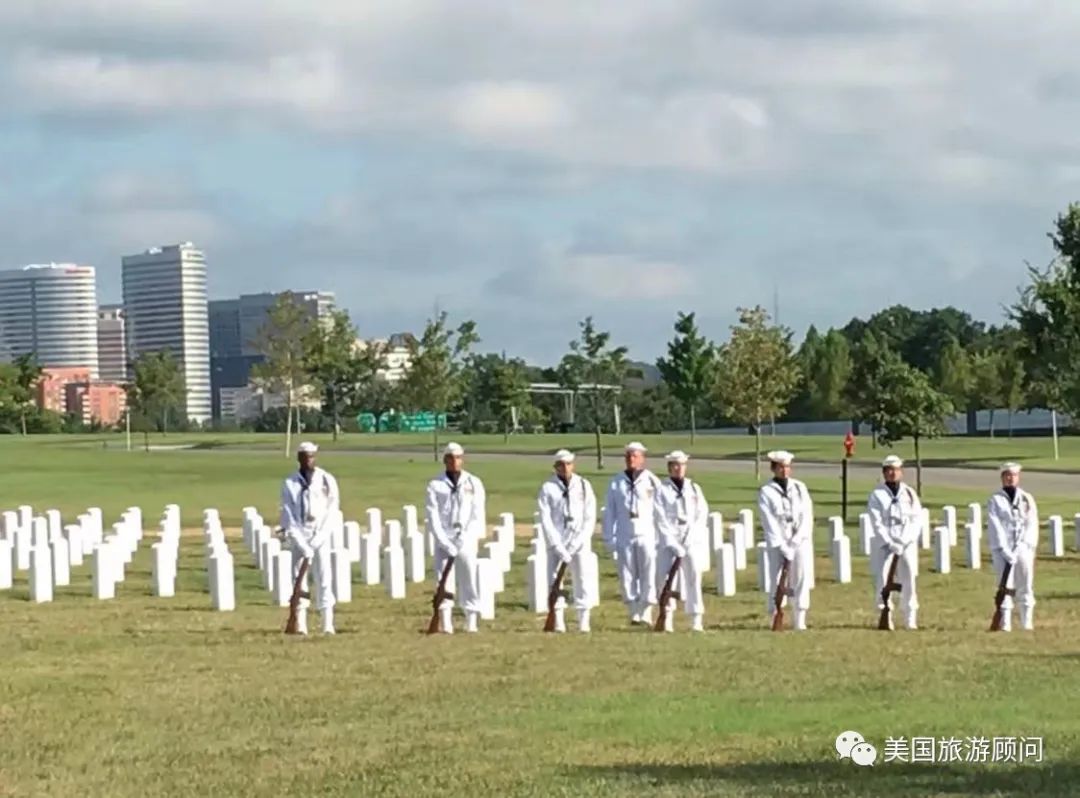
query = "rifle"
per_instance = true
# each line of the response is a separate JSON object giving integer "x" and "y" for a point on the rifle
{"x": 778, "y": 599}
{"x": 889, "y": 587}
{"x": 553, "y": 597}
{"x": 440, "y": 594}
{"x": 665, "y": 595}
{"x": 297, "y": 594}
{"x": 999, "y": 598}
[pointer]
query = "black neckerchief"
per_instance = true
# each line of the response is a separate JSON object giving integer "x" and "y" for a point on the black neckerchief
{"x": 1011, "y": 492}
{"x": 894, "y": 488}
{"x": 454, "y": 478}
{"x": 632, "y": 477}
{"x": 782, "y": 483}
{"x": 679, "y": 483}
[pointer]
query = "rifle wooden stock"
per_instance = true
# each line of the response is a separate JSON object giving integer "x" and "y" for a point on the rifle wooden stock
{"x": 294, "y": 600}
{"x": 890, "y": 586}
{"x": 553, "y": 597}
{"x": 778, "y": 598}
{"x": 665, "y": 595}
{"x": 440, "y": 594}
{"x": 999, "y": 598}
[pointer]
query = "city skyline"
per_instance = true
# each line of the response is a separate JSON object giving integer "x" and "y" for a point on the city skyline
{"x": 857, "y": 155}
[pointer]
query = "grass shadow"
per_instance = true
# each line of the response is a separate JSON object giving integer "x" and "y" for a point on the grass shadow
{"x": 842, "y": 778}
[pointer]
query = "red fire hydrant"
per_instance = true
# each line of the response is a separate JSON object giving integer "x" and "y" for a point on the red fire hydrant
{"x": 849, "y": 445}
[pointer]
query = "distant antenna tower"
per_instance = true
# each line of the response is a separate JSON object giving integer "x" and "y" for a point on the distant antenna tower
{"x": 776, "y": 303}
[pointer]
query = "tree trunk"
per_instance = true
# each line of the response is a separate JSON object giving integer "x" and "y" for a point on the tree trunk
{"x": 757, "y": 451}
{"x": 599, "y": 450}
{"x": 288, "y": 422}
{"x": 22, "y": 419}
{"x": 435, "y": 439}
{"x": 146, "y": 438}
{"x": 918, "y": 467}
{"x": 991, "y": 423}
{"x": 333, "y": 404}
{"x": 1010, "y": 423}
{"x": 693, "y": 423}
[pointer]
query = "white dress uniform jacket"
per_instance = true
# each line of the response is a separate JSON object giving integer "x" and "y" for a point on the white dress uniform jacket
{"x": 632, "y": 520}
{"x": 685, "y": 524}
{"x": 1014, "y": 535}
{"x": 787, "y": 519}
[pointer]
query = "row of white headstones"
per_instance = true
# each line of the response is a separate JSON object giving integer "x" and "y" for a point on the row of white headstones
{"x": 394, "y": 553}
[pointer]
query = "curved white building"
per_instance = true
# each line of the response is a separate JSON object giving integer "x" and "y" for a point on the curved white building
{"x": 50, "y": 311}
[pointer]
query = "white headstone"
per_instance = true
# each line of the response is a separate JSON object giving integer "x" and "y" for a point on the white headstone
{"x": 738, "y": 540}
{"x": 103, "y": 571}
{"x": 942, "y": 550}
{"x": 409, "y": 520}
{"x": 841, "y": 557}
{"x": 39, "y": 535}
{"x": 74, "y": 535}
{"x": 1057, "y": 537}
{"x": 223, "y": 586}
{"x": 975, "y": 514}
{"x": 486, "y": 571}
{"x": 536, "y": 587}
{"x": 248, "y": 525}
{"x": 393, "y": 534}
{"x": 283, "y": 578}
{"x": 41, "y": 575}
{"x": 866, "y": 534}
{"x": 538, "y": 548}
{"x": 117, "y": 554}
{"x": 262, "y": 535}
{"x": 352, "y": 540}
{"x": 703, "y": 551}
{"x": 764, "y": 569}
{"x": 163, "y": 572}
{"x": 6, "y": 556}
{"x": 337, "y": 531}
{"x": 948, "y": 513}
{"x": 21, "y": 556}
{"x": 370, "y": 565}
{"x": 590, "y": 576}
{"x": 506, "y": 520}
{"x": 498, "y": 576}
{"x": 924, "y": 530}
{"x": 271, "y": 549}
{"x": 121, "y": 533}
{"x": 394, "y": 565}
{"x": 972, "y": 540}
{"x": 716, "y": 530}
{"x": 1076, "y": 531}
{"x": 414, "y": 557}
{"x": 9, "y": 522}
{"x": 836, "y": 527}
{"x": 725, "y": 570}
{"x": 342, "y": 576}
{"x": 54, "y": 524}
{"x": 504, "y": 536}
{"x": 61, "y": 562}
{"x": 26, "y": 516}
{"x": 811, "y": 569}
{"x": 746, "y": 518}
{"x": 135, "y": 521}
{"x": 375, "y": 524}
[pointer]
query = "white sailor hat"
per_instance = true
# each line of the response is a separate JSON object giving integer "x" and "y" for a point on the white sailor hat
{"x": 564, "y": 456}
{"x": 307, "y": 447}
{"x": 677, "y": 456}
{"x": 636, "y": 446}
{"x": 781, "y": 456}
{"x": 453, "y": 449}
{"x": 892, "y": 461}
{"x": 1011, "y": 468}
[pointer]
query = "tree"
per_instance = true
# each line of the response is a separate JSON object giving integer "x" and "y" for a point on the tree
{"x": 437, "y": 375}
{"x": 690, "y": 367}
{"x": 511, "y": 392}
{"x": 367, "y": 390}
{"x": 156, "y": 391}
{"x": 908, "y": 406}
{"x": 986, "y": 385}
{"x": 1011, "y": 377}
{"x": 869, "y": 359}
{"x": 27, "y": 377}
{"x": 594, "y": 369}
{"x": 825, "y": 365}
{"x": 330, "y": 353}
{"x": 284, "y": 340}
{"x": 758, "y": 373}
{"x": 955, "y": 377}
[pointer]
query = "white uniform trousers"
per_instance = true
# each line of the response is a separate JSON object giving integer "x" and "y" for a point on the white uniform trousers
{"x": 687, "y": 582}
{"x": 798, "y": 585}
{"x": 582, "y": 589}
{"x": 463, "y": 581}
{"x": 637, "y": 572}
{"x": 907, "y": 571}
{"x": 320, "y": 572}
{"x": 1021, "y": 579}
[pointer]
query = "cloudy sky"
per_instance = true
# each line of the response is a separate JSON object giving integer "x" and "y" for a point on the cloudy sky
{"x": 527, "y": 164}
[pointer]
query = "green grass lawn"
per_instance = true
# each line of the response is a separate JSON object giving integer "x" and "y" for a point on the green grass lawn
{"x": 954, "y": 451}
{"x": 160, "y": 697}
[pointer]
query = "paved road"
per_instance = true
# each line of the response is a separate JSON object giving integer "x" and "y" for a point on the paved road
{"x": 1046, "y": 483}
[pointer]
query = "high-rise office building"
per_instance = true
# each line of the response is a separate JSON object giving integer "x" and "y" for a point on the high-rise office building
{"x": 50, "y": 311}
{"x": 235, "y": 328}
{"x": 112, "y": 348}
{"x": 165, "y": 309}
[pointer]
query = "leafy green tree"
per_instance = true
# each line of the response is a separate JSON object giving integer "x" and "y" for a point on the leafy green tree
{"x": 908, "y": 406}
{"x": 368, "y": 389}
{"x": 591, "y": 364}
{"x": 690, "y": 367}
{"x": 986, "y": 384}
{"x": 27, "y": 377}
{"x": 156, "y": 392}
{"x": 284, "y": 340}
{"x": 330, "y": 360}
{"x": 758, "y": 374}
{"x": 869, "y": 359}
{"x": 438, "y": 373}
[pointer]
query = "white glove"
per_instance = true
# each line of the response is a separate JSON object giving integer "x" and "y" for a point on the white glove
{"x": 788, "y": 552}
{"x": 564, "y": 554}
{"x": 1011, "y": 556}
{"x": 451, "y": 550}
{"x": 896, "y": 548}
{"x": 678, "y": 550}
{"x": 303, "y": 546}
